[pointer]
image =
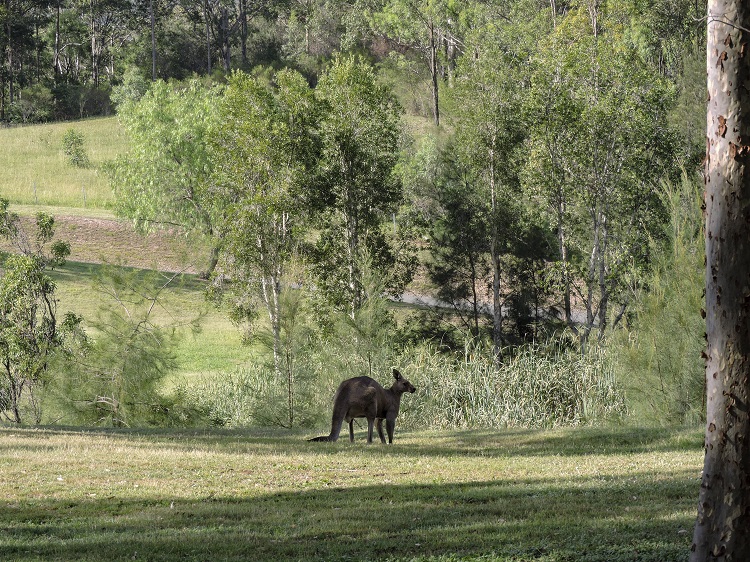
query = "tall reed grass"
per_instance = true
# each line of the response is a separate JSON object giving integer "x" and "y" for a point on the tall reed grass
{"x": 533, "y": 389}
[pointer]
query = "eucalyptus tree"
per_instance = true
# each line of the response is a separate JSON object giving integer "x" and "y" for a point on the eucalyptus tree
{"x": 222, "y": 24}
{"x": 490, "y": 134}
{"x": 429, "y": 27}
{"x": 107, "y": 26}
{"x": 599, "y": 145}
{"x": 165, "y": 178}
{"x": 360, "y": 131}
{"x": 724, "y": 501}
{"x": 265, "y": 154}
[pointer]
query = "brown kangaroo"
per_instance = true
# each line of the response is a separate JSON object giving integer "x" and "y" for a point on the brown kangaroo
{"x": 363, "y": 397}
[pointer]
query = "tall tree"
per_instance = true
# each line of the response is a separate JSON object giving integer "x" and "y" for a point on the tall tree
{"x": 164, "y": 180}
{"x": 491, "y": 133}
{"x": 265, "y": 153}
{"x": 221, "y": 23}
{"x": 429, "y": 27}
{"x": 724, "y": 503}
{"x": 459, "y": 243}
{"x": 106, "y": 21}
{"x": 360, "y": 134}
{"x": 599, "y": 143}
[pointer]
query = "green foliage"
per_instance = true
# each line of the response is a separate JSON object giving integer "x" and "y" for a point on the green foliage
{"x": 117, "y": 378}
{"x": 432, "y": 29}
{"x": 537, "y": 387}
{"x": 254, "y": 397}
{"x": 35, "y": 104}
{"x": 360, "y": 133}
{"x": 460, "y": 243}
{"x": 265, "y": 156}
{"x": 297, "y": 392}
{"x": 30, "y": 333}
{"x": 556, "y": 122}
{"x": 658, "y": 357}
{"x": 599, "y": 142}
{"x": 134, "y": 86}
{"x": 688, "y": 117}
{"x": 164, "y": 178}
{"x": 362, "y": 343}
{"x": 73, "y": 147}
{"x": 487, "y": 247}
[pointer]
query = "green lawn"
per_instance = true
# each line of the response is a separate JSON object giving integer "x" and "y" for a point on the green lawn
{"x": 35, "y": 170}
{"x": 216, "y": 348}
{"x": 563, "y": 495}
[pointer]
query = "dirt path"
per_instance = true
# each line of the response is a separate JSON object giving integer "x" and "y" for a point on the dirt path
{"x": 96, "y": 240}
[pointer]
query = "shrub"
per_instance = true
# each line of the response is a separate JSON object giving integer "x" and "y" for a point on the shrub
{"x": 34, "y": 105}
{"x": 134, "y": 86}
{"x": 252, "y": 396}
{"x": 73, "y": 147}
{"x": 658, "y": 358}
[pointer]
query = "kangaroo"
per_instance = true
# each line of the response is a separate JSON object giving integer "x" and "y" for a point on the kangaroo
{"x": 363, "y": 397}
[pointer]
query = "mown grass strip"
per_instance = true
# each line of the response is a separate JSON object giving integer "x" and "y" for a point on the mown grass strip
{"x": 584, "y": 494}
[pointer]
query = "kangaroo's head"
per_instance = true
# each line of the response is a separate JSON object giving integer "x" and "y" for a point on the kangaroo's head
{"x": 401, "y": 385}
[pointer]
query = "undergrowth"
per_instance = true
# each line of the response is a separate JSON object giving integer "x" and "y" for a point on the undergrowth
{"x": 534, "y": 389}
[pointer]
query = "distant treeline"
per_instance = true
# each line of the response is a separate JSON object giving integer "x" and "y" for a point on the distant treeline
{"x": 60, "y": 58}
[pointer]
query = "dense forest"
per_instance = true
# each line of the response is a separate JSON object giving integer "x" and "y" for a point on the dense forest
{"x": 529, "y": 164}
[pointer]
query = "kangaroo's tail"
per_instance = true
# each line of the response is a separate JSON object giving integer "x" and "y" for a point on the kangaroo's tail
{"x": 321, "y": 438}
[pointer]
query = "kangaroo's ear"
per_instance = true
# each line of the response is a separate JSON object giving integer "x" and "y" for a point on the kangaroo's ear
{"x": 396, "y": 375}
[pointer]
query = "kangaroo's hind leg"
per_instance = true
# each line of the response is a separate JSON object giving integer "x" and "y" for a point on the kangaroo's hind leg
{"x": 370, "y": 424}
{"x": 380, "y": 430}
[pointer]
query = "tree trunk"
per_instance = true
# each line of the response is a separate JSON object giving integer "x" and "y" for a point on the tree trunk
{"x": 721, "y": 530}
{"x": 497, "y": 310}
{"x": 56, "y": 53}
{"x": 434, "y": 74}
{"x": 243, "y": 31}
{"x": 563, "y": 248}
{"x": 474, "y": 324}
{"x": 153, "y": 41}
{"x": 226, "y": 51}
{"x": 603, "y": 282}
{"x": 208, "y": 36}
{"x": 94, "y": 48}
{"x": 11, "y": 62}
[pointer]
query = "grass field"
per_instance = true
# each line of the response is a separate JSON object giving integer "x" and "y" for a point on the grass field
{"x": 217, "y": 348}
{"x": 34, "y": 168}
{"x": 564, "y": 495}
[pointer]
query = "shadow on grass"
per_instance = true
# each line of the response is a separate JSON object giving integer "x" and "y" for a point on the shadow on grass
{"x": 585, "y": 519}
{"x": 581, "y": 441}
{"x": 481, "y": 443}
